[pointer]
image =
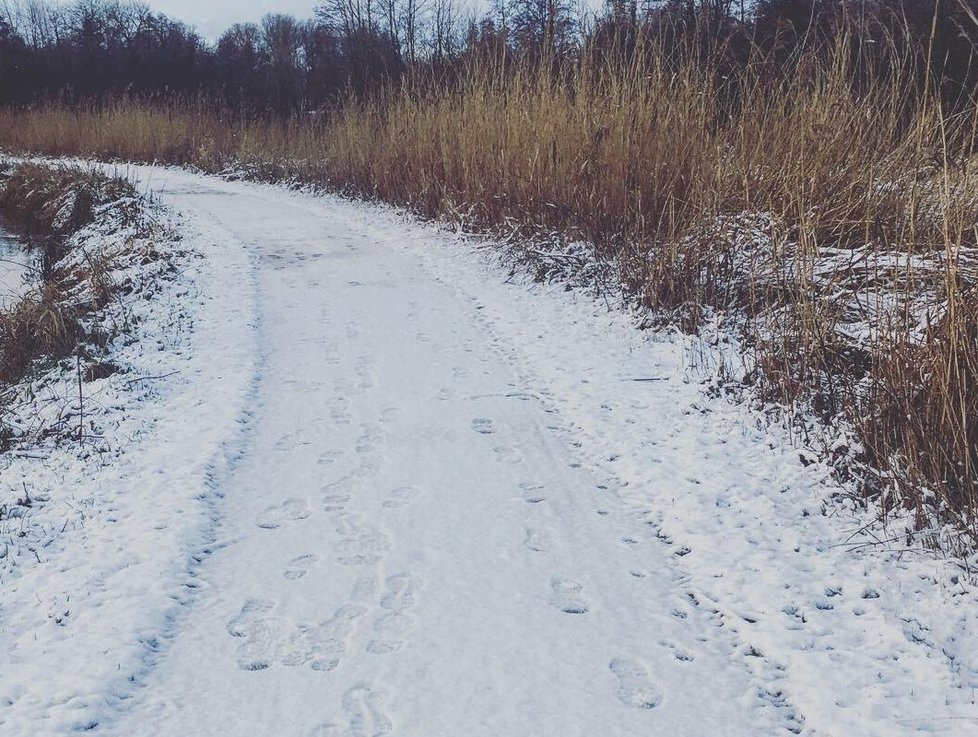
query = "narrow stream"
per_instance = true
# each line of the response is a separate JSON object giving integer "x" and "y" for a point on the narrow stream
{"x": 15, "y": 268}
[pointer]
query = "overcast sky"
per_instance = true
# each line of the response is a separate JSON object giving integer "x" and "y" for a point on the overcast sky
{"x": 212, "y": 17}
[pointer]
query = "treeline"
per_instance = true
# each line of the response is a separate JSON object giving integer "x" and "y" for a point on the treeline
{"x": 92, "y": 50}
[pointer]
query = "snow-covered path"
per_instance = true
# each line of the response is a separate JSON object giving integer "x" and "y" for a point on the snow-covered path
{"x": 472, "y": 507}
{"x": 409, "y": 544}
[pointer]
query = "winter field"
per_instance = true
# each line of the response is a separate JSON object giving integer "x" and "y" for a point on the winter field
{"x": 356, "y": 475}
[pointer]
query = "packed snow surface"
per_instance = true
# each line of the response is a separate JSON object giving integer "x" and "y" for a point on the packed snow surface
{"x": 392, "y": 489}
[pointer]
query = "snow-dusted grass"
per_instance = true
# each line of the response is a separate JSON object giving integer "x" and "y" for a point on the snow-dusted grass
{"x": 58, "y": 342}
{"x": 75, "y": 281}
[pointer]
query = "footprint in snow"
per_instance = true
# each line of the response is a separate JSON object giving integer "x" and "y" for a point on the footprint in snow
{"x": 366, "y": 378}
{"x": 342, "y": 485}
{"x": 568, "y": 596}
{"x": 360, "y": 543}
{"x": 328, "y": 458}
{"x": 364, "y": 589}
{"x": 383, "y": 647}
{"x": 392, "y": 624}
{"x": 259, "y": 631}
{"x": 536, "y": 540}
{"x": 532, "y": 493}
{"x": 363, "y": 549}
{"x": 364, "y": 714}
{"x": 299, "y": 566}
{"x": 237, "y": 626}
{"x": 635, "y": 687}
{"x": 321, "y": 645}
{"x": 339, "y": 410}
{"x": 292, "y": 441}
{"x": 680, "y": 653}
{"x": 349, "y": 523}
{"x": 401, "y": 496}
{"x": 483, "y": 426}
{"x": 257, "y": 653}
{"x": 390, "y": 627}
{"x": 508, "y": 454}
{"x": 400, "y": 593}
{"x": 335, "y": 502}
{"x": 290, "y": 510}
{"x": 370, "y": 440}
{"x": 365, "y": 710}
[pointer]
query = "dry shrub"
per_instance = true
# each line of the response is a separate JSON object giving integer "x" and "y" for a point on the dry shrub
{"x": 38, "y": 326}
{"x": 58, "y": 200}
{"x": 925, "y": 421}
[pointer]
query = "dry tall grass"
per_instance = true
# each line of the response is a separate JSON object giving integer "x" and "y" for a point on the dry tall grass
{"x": 53, "y": 203}
{"x": 837, "y": 221}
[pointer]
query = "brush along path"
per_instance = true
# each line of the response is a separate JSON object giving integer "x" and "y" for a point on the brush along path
{"x": 462, "y": 511}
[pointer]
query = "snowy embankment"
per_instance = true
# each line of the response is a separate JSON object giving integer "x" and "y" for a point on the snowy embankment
{"x": 96, "y": 534}
{"x": 462, "y": 504}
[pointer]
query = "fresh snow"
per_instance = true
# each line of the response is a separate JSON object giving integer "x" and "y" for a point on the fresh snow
{"x": 386, "y": 487}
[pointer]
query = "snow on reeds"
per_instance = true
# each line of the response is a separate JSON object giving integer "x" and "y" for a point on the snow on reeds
{"x": 829, "y": 211}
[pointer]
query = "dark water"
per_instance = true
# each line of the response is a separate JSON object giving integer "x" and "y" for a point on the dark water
{"x": 16, "y": 268}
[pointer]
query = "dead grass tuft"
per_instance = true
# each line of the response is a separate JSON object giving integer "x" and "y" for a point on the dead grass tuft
{"x": 38, "y": 326}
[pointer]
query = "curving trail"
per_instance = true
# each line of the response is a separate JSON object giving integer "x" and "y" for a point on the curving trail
{"x": 458, "y": 514}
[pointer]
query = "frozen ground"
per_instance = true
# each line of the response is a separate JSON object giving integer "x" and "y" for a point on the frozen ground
{"x": 391, "y": 491}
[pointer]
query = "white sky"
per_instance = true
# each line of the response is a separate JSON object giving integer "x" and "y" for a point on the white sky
{"x": 212, "y": 17}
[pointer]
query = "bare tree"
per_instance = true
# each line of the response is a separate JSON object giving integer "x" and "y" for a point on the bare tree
{"x": 543, "y": 25}
{"x": 282, "y": 39}
{"x": 445, "y": 25}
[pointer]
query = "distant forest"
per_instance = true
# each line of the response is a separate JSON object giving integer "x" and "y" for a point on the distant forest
{"x": 91, "y": 51}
